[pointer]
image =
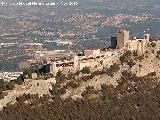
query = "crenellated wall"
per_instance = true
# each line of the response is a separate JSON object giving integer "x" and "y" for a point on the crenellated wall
{"x": 95, "y": 59}
{"x": 138, "y": 44}
{"x": 94, "y": 63}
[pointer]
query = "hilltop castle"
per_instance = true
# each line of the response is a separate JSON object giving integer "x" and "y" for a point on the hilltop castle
{"x": 123, "y": 41}
{"x": 97, "y": 59}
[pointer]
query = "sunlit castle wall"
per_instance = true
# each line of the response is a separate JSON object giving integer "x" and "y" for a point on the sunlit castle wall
{"x": 76, "y": 63}
{"x": 64, "y": 66}
{"x": 122, "y": 39}
{"x": 88, "y": 63}
{"x": 53, "y": 68}
{"x": 138, "y": 44}
{"x": 92, "y": 52}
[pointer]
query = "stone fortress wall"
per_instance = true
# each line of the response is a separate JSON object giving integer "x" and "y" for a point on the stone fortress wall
{"x": 96, "y": 59}
{"x": 134, "y": 44}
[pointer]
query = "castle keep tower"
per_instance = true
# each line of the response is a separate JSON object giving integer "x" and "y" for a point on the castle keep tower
{"x": 76, "y": 63}
{"x": 122, "y": 39}
{"x": 146, "y": 37}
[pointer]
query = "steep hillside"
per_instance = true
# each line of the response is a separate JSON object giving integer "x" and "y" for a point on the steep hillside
{"x": 39, "y": 87}
{"x": 129, "y": 89}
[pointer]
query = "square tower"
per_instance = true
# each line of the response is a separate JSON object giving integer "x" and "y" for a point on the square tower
{"x": 146, "y": 37}
{"x": 113, "y": 42}
{"x": 122, "y": 38}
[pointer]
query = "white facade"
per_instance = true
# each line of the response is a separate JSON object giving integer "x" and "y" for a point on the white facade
{"x": 7, "y": 76}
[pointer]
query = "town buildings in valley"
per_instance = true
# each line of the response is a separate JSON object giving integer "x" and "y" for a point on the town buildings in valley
{"x": 8, "y": 76}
